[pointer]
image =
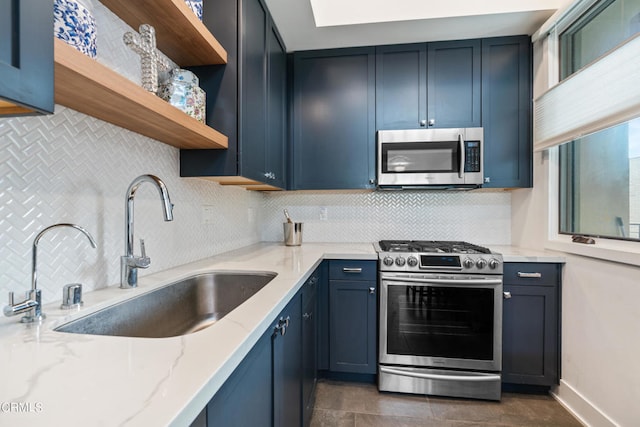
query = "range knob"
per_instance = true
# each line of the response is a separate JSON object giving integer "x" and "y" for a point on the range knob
{"x": 481, "y": 263}
{"x": 468, "y": 263}
{"x": 388, "y": 261}
{"x": 493, "y": 263}
{"x": 412, "y": 261}
{"x": 400, "y": 261}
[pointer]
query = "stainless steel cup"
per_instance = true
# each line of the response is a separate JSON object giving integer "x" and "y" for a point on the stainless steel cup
{"x": 292, "y": 233}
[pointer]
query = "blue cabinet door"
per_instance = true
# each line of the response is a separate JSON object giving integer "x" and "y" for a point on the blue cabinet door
{"x": 309, "y": 346}
{"x": 246, "y": 98}
{"x": 323, "y": 316}
{"x": 276, "y": 110}
{"x": 401, "y": 86}
{"x": 530, "y": 332}
{"x": 453, "y": 84}
{"x": 287, "y": 367}
{"x": 506, "y": 111}
{"x": 26, "y": 57}
{"x": 334, "y": 117}
{"x": 245, "y": 399}
{"x": 253, "y": 89}
{"x": 352, "y": 338}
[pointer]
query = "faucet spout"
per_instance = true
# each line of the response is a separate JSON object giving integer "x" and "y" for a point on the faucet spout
{"x": 34, "y": 251}
{"x": 32, "y": 304}
{"x": 129, "y": 263}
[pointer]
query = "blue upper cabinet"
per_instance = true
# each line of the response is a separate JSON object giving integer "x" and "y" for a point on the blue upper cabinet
{"x": 26, "y": 57}
{"x": 401, "y": 86}
{"x": 453, "y": 84}
{"x": 334, "y": 113}
{"x": 428, "y": 85}
{"x": 246, "y": 98}
{"x": 276, "y": 110}
{"x": 506, "y": 111}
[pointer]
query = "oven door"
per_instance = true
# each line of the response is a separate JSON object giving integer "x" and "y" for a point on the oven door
{"x": 452, "y": 321}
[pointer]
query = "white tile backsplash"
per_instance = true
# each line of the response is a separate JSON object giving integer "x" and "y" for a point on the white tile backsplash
{"x": 480, "y": 217}
{"x": 73, "y": 168}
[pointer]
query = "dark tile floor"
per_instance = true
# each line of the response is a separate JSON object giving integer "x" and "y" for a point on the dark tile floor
{"x": 340, "y": 404}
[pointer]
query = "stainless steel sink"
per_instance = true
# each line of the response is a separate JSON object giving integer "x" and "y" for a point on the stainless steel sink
{"x": 180, "y": 308}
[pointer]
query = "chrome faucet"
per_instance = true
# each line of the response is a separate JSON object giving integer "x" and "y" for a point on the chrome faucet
{"x": 32, "y": 304}
{"x": 129, "y": 263}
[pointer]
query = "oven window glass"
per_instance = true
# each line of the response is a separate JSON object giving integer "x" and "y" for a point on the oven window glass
{"x": 440, "y": 321}
{"x": 420, "y": 157}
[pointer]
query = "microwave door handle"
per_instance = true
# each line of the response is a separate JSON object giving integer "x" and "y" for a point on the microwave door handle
{"x": 461, "y": 157}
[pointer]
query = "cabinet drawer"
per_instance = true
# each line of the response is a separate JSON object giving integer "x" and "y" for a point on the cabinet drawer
{"x": 353, "y": 270}
{"x": 531, "y": 273}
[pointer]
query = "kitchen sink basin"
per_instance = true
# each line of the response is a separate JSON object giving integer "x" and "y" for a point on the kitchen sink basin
{"x": 180, "y": 308}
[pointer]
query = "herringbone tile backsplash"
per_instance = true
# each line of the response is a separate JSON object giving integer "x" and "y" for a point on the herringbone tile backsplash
{"x": 68, "y": 167}
{"x": 365, "y": 216}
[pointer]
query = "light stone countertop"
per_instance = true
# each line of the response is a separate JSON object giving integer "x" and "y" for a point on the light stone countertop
{"x": 518, "y": 254}
{"x": 84, "y": 380}
{"x": 52, "y": 378}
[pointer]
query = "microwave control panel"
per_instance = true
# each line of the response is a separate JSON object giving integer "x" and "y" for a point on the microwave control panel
{"x": 472, "y": 156}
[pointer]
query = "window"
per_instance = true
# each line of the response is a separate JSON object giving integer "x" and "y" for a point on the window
{"x": 604, "y": 26}
{"x": 600, "y": 183}
{"x": 600, "y": 173}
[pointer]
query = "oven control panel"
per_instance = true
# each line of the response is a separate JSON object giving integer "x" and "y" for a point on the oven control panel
{"x": 467, "y": 263}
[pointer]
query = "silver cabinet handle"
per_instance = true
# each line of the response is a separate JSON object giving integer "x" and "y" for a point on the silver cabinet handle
{"x": 352, "y": 270}
{"x": 506, "y": 295}
{"x": 529, "y": 275}
{"x": 372, "y": 290}
{"x": 432, "y": 122}
{"x": 282, "y": 325}
{"x": 423, "y": 123}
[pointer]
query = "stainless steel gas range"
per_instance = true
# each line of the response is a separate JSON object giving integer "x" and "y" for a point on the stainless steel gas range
{"x": 440, "y": 319}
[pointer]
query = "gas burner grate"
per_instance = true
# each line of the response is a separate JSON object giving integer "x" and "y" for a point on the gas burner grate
{"x": 432, "y": 246}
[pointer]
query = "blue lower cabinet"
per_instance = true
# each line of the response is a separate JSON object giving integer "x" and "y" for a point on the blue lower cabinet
{"x": 287, "y": 369}
{"x": 275, "y": 383}
{"x": 309, "y": 345}
{"x": 246, "y": 397}
{"x": 352, "y": 319}
{"x": 531, "y": 324}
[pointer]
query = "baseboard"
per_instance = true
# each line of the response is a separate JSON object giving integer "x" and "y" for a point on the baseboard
{"x": 581, "y": 407}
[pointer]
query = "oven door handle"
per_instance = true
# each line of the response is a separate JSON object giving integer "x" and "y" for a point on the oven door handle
{"x": 470, "y": 378}
{"x": 426, "y": 282}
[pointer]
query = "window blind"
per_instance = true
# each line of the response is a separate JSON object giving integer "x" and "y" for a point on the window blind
{"x": 603, "y": 94}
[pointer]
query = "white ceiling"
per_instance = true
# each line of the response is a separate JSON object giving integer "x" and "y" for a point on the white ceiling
{"x": 321, "y": 24}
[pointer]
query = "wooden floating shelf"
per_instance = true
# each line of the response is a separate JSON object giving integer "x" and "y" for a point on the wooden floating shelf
{"x": 179, "y": 33}
{"x": 240, "y": 181}
{"x": 85, "y": 85}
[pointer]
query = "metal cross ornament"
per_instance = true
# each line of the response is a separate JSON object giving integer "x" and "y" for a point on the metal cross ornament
{"x": 144, "y": 44}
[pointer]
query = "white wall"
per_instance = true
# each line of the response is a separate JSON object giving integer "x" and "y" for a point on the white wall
{"x": 600, "y": 311}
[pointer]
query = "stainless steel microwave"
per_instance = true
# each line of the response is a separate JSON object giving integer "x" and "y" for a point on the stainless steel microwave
{"x": 430, "y": 158}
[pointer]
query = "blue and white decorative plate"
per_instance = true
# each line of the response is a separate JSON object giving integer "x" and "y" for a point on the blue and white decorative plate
{"x": 196, "y": 6}
{"x": 74, "y": 24}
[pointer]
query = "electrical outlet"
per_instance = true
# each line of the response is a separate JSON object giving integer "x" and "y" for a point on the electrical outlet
{"x": 324, "y": 213}
{"x": 207, "y": 214}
